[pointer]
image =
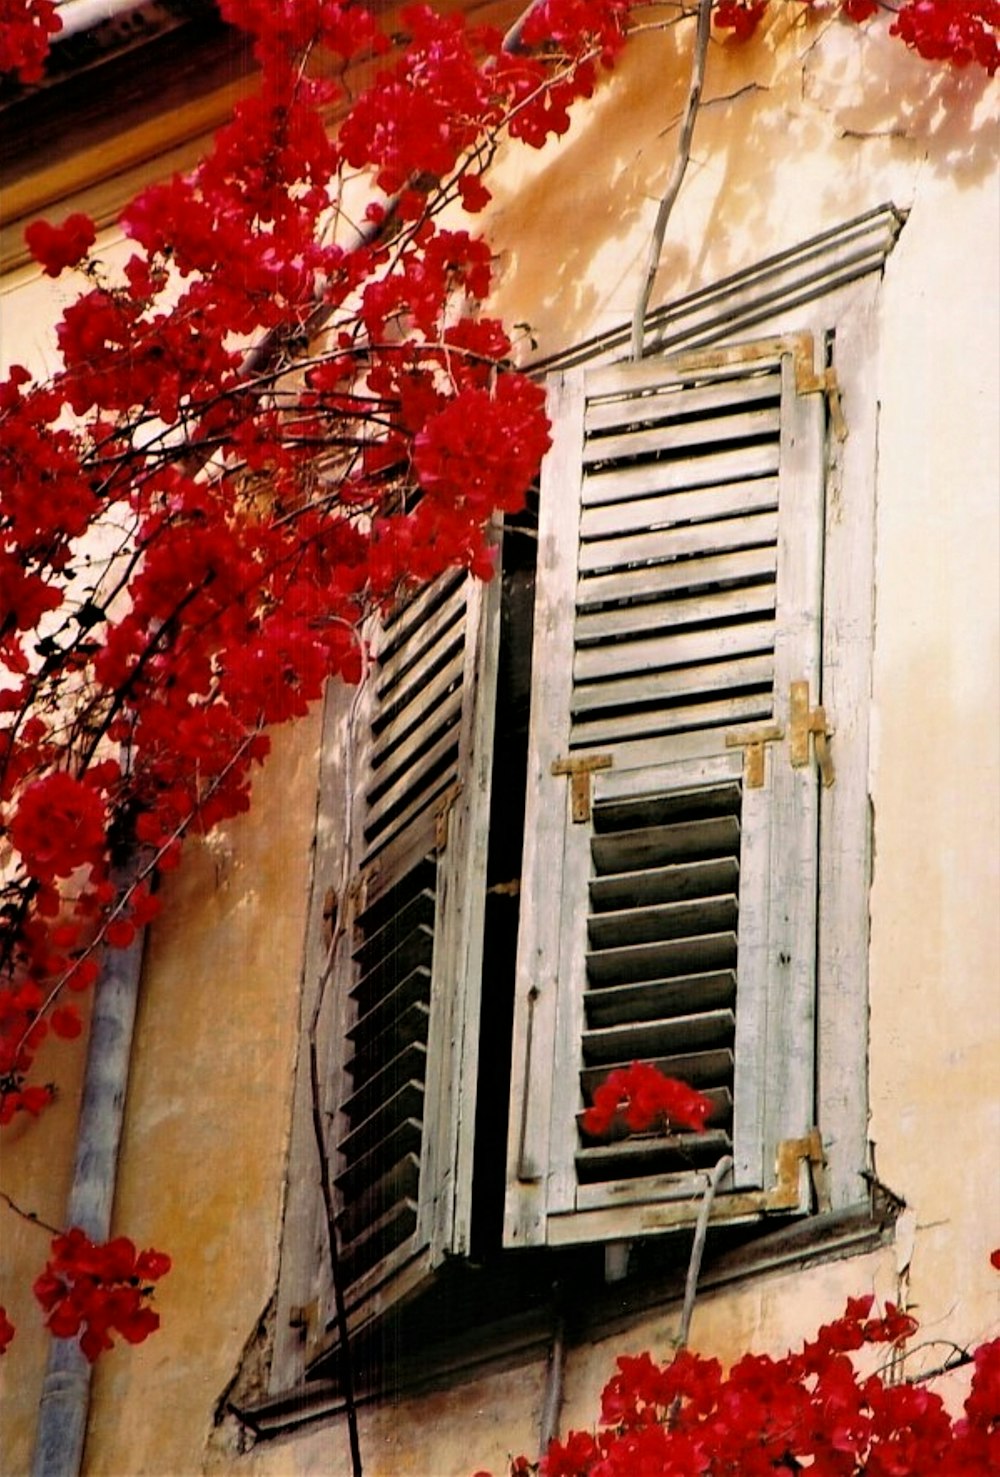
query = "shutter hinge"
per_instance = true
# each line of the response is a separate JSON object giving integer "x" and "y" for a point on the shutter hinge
{"x": 803, "y": 721}
{"x": 812, "y": 381}
{"x": 303, "y": 1319}
{"x": 442, "y": 815}
{"x": 752, "y": 743}
{"x": 579, "y": 770}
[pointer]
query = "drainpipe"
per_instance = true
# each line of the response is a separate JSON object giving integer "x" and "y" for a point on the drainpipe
{"x": 65, "y": 1399}
{"x": 84, "y": 15}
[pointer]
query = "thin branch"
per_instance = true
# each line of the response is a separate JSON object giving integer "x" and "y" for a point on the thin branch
{"x": 316, "y": 1097}
{"x": 698, "y": 1246}
{"x": 676, "y": 174}
{"x": 31, "y": 1216}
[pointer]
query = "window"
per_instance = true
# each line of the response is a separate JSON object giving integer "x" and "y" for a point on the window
{"x": 692, "y": 889}
{"x": 678, "y": 610}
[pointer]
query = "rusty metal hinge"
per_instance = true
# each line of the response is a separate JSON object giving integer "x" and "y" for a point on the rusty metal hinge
{"x": 442, "y": 815}
{"x": 752, "y": 742}
{"x": 804, "y": 721}
{"x": 579, "y": 770}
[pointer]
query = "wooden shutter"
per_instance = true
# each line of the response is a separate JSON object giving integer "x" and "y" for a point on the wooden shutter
{"x": 671, "y": 919}
{"x": 407, "y": 977}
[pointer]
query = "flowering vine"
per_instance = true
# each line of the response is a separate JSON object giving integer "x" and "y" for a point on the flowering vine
{"x": 265, "y": 424}
{"x": 813, "y": 1411}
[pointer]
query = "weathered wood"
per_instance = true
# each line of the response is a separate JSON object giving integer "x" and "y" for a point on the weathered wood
{"x": 660, "y": 999}
{"x": 755, "y": 494}
{"x": 628, "y": 408}
{"x": 617, "y": 484}
{"x": 693, "y": 574}
{"x": 681, "y": 649}
{"x": 635, "y": 620}
{"x": 663, "y": 544}
{"x": 669, "y": 438}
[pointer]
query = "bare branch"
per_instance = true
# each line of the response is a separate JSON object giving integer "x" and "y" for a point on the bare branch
{"x": 676, "y": 174}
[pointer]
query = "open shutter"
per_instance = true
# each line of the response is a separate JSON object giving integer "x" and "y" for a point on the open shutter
{"x": 406, "y": 977}
{"x": 668, "y": 895}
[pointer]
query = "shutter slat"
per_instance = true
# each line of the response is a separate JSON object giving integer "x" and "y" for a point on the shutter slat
{"x": 401, "y": 772}
{"x": 701, "y": 1069}
{"x": 367, "y": 1169}
{"x": 659, "y": 999}
{"x": 743, "y": 708}
{"x": 670, "y": 956}
{"x": 384, "y": 940}
{"x": 410, "y": 613}
{"x": 653, "y": 845}
{"x": 685, "y": 577}
{"x": 664, "y": 884}
{"x": 672, "y": 650}
{"x": 705, "y": 471}
{"x": 374, "y": 1133}
{"x": 653, "y": 1155}
{"x": 662, "y": 687}
{"x": 408, "y": 1067}
{"x": 679, "y": 400}
{"x": 685, "y": 436}
{"x": 639, "y": 925}
{"x": 757, "y": 496}
{"x": 716, "y": 607}
{"x": 637, "y": 812}
{"x": 664, "y": 544}
{"x": 398, "y": 1183}
{"x": 438, "y": 702}
{"x": 642, "y": 1039}
{"x": 424, "y": 647}
{"x": 414, "y": 951}
{"x": 719, "y": 1116}
{"x": 414, "y": 790}
{"x": 406, "y": 1027}
{"x": 378, "y": 1239}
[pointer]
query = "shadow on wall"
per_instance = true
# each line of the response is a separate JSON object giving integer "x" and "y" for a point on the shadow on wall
{"x": 802, "y": 128}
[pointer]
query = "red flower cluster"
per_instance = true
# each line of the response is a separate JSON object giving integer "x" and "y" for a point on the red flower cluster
{"x": 641, "y": 1097}
{"x": 807, "y": 1412}
{"x": 26, "y": 29}
{"x": 7, "y": 1330}
{"x": 963, "y": 32}
{"x": 57, "y": 247}
{"x": 92, "y": 1290}
{"x": 960, "y": 32}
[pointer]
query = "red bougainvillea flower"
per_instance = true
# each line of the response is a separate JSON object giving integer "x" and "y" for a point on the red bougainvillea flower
{"x": 643, "y": 1098}
{"x": 58, "y": 825}
{"x": 92, "y": 1289}
{"x": 58, "y": 247}
{"x": 25, "y": 29}
{"x": 6, "y": 1330}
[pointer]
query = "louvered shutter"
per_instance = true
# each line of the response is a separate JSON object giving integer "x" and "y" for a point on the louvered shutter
{"x": 673, "y": 919}
{"x": 406, "y": 981}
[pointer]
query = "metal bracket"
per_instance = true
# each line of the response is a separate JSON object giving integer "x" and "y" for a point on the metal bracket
{"x": 808, "y": 379}
{"x": 803, "y": 721}
{"x": 579, "y": 771}
{"x": 442, "y": 815}
{"x": 752, "y": 743}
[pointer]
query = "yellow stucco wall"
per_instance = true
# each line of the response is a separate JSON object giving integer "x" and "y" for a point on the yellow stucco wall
{"x": 794, "y": 137}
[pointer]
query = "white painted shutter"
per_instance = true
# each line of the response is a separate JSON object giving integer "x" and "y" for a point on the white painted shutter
{"x": 407, "y": 980}
{"x": 679, "y": 597}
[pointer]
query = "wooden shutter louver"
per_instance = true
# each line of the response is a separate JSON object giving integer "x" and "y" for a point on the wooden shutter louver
{"x": 404, "y": 1069}
{"x": 679, "y": 591}
{"x": 677, "y": 560}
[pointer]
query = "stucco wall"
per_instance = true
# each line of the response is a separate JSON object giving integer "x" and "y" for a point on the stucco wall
{"x": 794, "y": 137}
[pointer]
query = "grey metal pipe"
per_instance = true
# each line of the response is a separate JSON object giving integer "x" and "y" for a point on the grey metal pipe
{"x": 65, "y": 1399}
{"x": 83, "y": 15}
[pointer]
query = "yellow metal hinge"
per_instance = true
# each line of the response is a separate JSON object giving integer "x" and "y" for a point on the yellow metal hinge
{"x": 442, "y": 815}
{"x": 579, "y": 770}
{"x": 804, "y": 721}
{"x": 752, "y": 743}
